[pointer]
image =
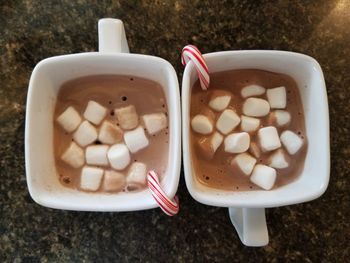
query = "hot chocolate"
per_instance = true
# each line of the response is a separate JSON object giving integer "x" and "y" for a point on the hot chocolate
{"x": 247, "y": 130}
{"x": 109, "y": 131}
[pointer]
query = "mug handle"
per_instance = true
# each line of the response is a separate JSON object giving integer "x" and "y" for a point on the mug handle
{"x": 250, "y": 224}
{"x": 111, "y": 36}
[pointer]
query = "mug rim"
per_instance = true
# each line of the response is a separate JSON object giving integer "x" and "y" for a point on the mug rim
{"x": 44, "y": 198}
{"x": 54, "y": 59}
{"x": 216, "y": 197}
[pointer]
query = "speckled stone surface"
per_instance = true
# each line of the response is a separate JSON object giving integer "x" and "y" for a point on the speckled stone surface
{"x": 30, "y": 31}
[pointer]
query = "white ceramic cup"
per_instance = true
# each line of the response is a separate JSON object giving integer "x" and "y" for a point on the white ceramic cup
{"x": 247, "y": 208}
{"x": 48, "y": 76}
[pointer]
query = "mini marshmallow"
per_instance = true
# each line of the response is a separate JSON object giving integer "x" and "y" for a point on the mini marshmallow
{"x": 291, "y": 141}
{"x": 263, "y": 176}
{"x": 219, "y": 100}
{"x": 137, "y": 174}
{"x": 252, "y": 90}
{"x": 255, "y": 150}
{"x": 119, "y": 156}
{"x": 280, "y": 117}
{"x": 237, "y": 142}
{"x": 69, "y": 119}
{"x": 245, "y": 162}
{"x": 97, "y": 154}
{"x": 256, "y": 107}
{"x": 91, "y": 178}
{"x": 269, "y": 139}
{"x": 136, "y": 139}
{"x": 109, "y": 133}
{"x": 113, "y": 181}
{"x": 154, "y": 122}
{"x": 209, "y": 145}
{"x": 95, "y": 112}
{"x": 127, "y": 117}
{"x": 227, "y": 121}
{"x": 202, "y": 124}
{"x": 216, "y": 141}
{"x": 277, "y": 97}
{"x": 278, "y": 160}
{"x": 85, "y": 134}
{"x": 74, "y": 156}
{"x": 249, "y": 124}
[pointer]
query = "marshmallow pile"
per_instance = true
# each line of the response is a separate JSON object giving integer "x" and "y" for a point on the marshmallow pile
{"x": 103, "y": 164}
{"x": 220, "y": 124}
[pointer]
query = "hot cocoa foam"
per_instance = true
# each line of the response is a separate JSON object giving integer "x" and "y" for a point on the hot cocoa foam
{"x": 219, "y": 172}
{"x": 112, "y": 92}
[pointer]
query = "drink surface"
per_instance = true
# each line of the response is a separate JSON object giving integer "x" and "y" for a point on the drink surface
{"x": 112, "y": 92}
{"x": 218, "y": 172}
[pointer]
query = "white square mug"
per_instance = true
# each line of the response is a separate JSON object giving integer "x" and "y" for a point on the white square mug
{"x": 48, "y": 76}
{"x": 247, "y": 208}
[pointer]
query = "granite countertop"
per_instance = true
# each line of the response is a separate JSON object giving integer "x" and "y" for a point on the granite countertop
{"x": 318, "y": 231}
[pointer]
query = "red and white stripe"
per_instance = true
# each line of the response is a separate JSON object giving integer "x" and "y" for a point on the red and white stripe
{"x": 170, "y": 207}
{"x": 191, "y": 52}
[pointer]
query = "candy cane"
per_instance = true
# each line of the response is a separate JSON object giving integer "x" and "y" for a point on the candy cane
{"x": 191, "y": 52}
{"x": 170, "y": 207}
